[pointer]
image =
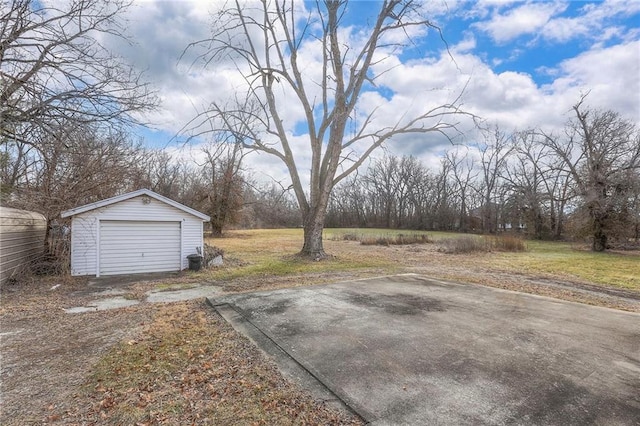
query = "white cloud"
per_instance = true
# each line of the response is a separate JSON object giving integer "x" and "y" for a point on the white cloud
{"x": 594, "y": 22}
{"x": 611, "y": 75}
{"x": 543, "y": 20}
{"x": 467, "y": 44}
{"x": 527, "y": 18}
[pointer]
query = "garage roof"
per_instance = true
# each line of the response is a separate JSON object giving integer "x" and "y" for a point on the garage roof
{"x": 123, "y": 197}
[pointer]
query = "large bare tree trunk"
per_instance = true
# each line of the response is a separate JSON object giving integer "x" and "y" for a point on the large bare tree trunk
{"x": 599, "y": 234}
{"x": 313, "y": 227}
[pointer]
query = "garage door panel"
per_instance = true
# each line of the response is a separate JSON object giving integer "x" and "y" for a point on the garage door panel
{"x": 117, "y": 246}
{"x": 141, "y": 236}
{"x": 136, "y": 246}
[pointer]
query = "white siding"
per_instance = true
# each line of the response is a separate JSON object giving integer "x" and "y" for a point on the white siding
{"x": 85, "y": 232}
{"x": 84, "y": 240}
{"x": 128, "y": 247}
{"x": 192, "y": 239}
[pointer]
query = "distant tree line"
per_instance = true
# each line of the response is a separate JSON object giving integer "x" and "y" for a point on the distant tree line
{"x": 581, "y": 183}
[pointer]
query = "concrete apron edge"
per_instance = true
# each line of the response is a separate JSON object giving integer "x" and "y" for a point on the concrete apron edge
{"x": 307, "y": 376}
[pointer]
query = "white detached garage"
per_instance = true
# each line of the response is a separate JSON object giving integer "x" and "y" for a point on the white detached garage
{"x": 134, "y": 233}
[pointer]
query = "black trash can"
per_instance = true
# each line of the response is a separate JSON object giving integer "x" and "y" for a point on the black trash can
{"x": 195, "y": 262}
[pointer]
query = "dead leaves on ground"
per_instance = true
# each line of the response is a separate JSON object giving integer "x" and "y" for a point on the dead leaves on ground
{"x": 190, "y": 367}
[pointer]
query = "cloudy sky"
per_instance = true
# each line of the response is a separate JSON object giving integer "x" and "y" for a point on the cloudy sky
{"x": 521, "y": 64}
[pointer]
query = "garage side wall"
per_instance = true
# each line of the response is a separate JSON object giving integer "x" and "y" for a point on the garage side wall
{"x": 192, "y": 238}
{"x": 85, "y": 230}
{"x": 84, "y": 240}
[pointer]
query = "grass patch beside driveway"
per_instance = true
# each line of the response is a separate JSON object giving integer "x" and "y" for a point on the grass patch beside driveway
{"x": 189, "y": 367}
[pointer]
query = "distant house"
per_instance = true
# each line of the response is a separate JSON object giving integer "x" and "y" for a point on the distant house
{"x": 137, "y": 232}
{"x": 22, "y": 237}
{"x": 492, "y": 218}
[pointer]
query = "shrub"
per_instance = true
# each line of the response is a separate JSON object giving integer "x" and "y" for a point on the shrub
{"x": 471, "y": 244}
{"x": 350, "y": 237}
{"x": 396, "y": 240}
{"x": 509, "y": 243}
{"x": 464, "y": 244}
{"x": 210, "y": 253}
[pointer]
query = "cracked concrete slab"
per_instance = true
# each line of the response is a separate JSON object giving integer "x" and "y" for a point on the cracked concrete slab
{"x": 103, "y": 305}
{"x": 158, "y": 296}
{"x": 411, "y": 350}
{"x": 154, "y": 296}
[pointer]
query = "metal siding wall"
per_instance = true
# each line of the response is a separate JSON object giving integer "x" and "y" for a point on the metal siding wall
{"x": 22, "y": 235}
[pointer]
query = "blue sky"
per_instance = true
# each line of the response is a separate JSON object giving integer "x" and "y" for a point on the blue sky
{"x": 524, "y": 64}
{"x": 532, "y": 52}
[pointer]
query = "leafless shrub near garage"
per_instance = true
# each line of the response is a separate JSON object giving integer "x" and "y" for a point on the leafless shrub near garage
{"x": 212, "y": 252}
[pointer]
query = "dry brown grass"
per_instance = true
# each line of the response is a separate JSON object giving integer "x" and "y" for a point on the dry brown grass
{"x": 508, "y": 243}
{"x": 188, "y": 366}
{"x": 399, "y": 239}
{"x": 465, "y": 244}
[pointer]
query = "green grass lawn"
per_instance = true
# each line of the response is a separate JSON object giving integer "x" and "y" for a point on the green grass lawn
{"x": 269, "y": 252}
{"x": 564, "y": 259}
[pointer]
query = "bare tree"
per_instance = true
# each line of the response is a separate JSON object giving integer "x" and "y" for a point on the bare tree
{"x": 382, "y": 179}
{"x": 349, "y": 204}
{"x": 270, "y": 206}
{"x": 525, "y": 179}
{"x": 493, "y": 159}
{"x": 601, "y": 153}
{"x": 54, "y": 69}
{"x": 77, "y": 165}
{"x": 269, "y": 44}
{"x": 540, "y": 189}
{"x": 395, "y": 193}
{"x": 16, "y": 161}
{"x": 419, "y": 195}
{"x": 167, "y": 175}
{"x": 635, "y": 210}
{"x": 464, "y": 172}
{"x": 222, "y": 183}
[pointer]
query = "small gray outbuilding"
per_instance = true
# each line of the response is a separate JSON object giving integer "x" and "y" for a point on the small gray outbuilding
{"x": 137, "y": 232}
{"x": 22, "y": 237}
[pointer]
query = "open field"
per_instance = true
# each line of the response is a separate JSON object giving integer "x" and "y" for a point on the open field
{"x": 264, "y": 252}
{"x": 164, "y": 364}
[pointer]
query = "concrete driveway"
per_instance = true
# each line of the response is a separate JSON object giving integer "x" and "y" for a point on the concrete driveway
{"x": 411, "y": 350}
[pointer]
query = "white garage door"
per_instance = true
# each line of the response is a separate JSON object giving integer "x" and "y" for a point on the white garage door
{"x": 128, "y": 247}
